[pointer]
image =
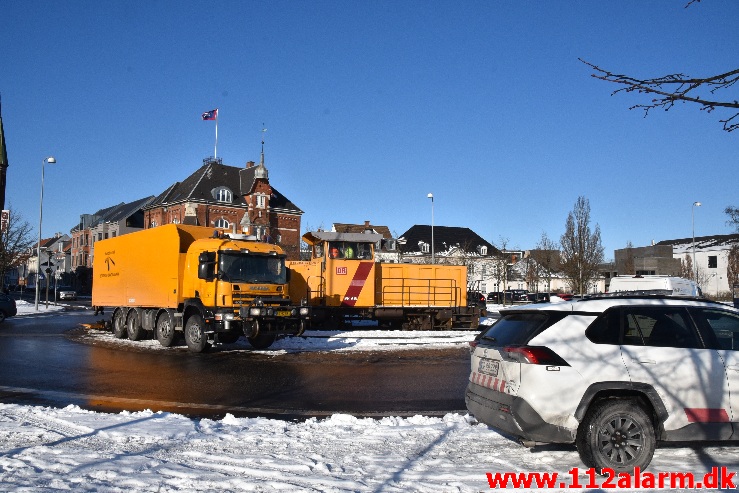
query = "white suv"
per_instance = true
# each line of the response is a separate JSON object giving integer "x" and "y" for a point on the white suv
{"x": 612, "y": 374}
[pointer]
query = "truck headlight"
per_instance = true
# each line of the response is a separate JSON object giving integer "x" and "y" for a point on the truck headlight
{"x": 255, "y": 311}
{"x": 304, "y": 311}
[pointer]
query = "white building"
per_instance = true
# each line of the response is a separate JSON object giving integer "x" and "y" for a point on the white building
{"x": 711, "y": 259}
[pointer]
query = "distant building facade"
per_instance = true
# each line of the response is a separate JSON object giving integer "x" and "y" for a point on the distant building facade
{"x": 232, "y": 199}
{"x": 106, "y": 223}
{"x": 711, "y": 259}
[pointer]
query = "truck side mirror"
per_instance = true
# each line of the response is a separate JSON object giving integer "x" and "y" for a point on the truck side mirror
{"x": 207, "y": 266}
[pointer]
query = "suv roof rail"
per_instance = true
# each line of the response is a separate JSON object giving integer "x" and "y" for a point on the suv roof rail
{"x": 646, "y": 294}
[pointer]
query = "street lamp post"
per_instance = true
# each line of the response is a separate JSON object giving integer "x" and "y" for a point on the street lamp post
{"x": 431, "y": 196}
{"x": 49, "y": 160}
{"x": 692, "y": 215}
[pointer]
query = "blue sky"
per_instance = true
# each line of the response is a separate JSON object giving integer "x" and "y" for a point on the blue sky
{"x": 369, "y": 106}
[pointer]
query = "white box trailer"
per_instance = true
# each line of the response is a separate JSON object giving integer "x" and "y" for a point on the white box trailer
{"x": 676, "y": 286}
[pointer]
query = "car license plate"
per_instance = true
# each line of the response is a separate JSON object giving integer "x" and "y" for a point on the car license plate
{"x": 488, "y": 367}
{"x": 283, "y": 313}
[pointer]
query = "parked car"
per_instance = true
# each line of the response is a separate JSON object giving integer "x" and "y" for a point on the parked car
{"x": 510, "y": 297}
{"x": 538, "y": 297}
{"x": 613, "y": 375}
{"x": 7, "y": 307}
{"x": 476, "y": 298}
{"x": 518, "y": 295}
{"x": 65, "y": 293}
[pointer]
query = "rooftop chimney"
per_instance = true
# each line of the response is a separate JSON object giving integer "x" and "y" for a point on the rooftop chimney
{"x": 249, "y": 164}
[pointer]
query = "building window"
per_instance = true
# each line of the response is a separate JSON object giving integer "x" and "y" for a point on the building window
{"x": 153, "y": 224}
{"x": 114, "y": 234}
{"x": 712, "y": 261}
{"x": 222, "y": 224}
{"x": 261, "y": 201}
{"x": 223, "y": 194}
{"x": 425, "y": 247}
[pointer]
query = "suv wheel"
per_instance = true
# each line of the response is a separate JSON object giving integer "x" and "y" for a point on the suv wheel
{"x": 617, "y": 434}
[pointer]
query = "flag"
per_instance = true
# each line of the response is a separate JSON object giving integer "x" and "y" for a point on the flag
{"x": 211, "y": 115}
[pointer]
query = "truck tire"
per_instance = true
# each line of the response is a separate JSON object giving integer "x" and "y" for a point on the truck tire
{"x": 119, "y": 325}
{"x": 165, "y": 330}
{"x": 195, "y": 337}
{"x": 262, "y": 341}
{"x": 133, "y": 327}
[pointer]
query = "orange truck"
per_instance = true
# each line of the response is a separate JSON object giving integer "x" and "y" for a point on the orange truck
{"x": 213, "y": 286}
{"x": 343, "y": 282}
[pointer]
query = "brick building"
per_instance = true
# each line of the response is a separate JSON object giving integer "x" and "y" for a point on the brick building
{"x": 233, "y": 199}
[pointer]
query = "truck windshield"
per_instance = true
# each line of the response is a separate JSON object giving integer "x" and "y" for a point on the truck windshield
{"x": 244, "y": 267}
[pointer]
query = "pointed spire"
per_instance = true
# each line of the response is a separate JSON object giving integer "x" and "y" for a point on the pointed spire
{"x": 3, "y": 159}
{"x": 3, "y": 152}
{"x": 261, "y": 161}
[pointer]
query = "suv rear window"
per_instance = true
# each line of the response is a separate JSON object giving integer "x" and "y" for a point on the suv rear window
{"x": 519, "y": 328}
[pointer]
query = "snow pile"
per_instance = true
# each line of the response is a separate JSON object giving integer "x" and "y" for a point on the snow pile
{"x": 74, "y": 449}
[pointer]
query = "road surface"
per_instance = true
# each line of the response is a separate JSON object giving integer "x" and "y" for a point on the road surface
{"x": 44, "y": 362}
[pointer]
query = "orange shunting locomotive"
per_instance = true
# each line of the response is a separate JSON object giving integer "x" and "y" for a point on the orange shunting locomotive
{"x": 344, "y": 282}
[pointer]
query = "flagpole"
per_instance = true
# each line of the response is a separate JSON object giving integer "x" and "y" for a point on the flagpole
{"x": 215, "y": 150}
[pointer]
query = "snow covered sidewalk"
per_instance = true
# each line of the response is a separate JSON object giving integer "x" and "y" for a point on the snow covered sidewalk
{"x": 73, "y": 449}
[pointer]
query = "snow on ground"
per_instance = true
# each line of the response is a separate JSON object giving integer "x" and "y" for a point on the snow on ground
{"x": 49, "y": 449}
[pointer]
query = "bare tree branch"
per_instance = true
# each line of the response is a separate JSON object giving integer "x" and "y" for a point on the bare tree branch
{"x": 672, "y": 88}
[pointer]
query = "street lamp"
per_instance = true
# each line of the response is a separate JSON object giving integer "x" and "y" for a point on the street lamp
{"x": 49, "y": 160}
{"x": 431, "y": 196}
{"x": 692, "y": 215}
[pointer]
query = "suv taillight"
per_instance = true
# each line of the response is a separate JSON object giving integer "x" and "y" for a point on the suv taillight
{"x": 534, "y": 355}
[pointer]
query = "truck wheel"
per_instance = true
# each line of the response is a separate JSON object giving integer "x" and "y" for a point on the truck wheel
{"x": 119, "y": 325}
{"x": 616, "y": 434}
{"x": 165, "y": 331}
{"x": 195, "y": 337}
{"x": 262, "y": 341}
{"x": 135, "y": 332}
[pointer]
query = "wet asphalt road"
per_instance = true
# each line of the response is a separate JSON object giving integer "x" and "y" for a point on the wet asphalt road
{"x": 43, "y": 363}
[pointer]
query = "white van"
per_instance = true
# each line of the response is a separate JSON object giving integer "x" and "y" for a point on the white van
{"x": 676, "y": 286}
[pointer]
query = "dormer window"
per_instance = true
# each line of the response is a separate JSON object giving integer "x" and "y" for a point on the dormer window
{"x": 222, "y": 224}
{"x": 223, "y": 194}
{"x": 425, "y": 247}
{"x": 482, "y": 249}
